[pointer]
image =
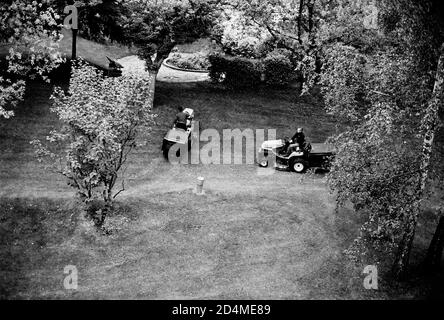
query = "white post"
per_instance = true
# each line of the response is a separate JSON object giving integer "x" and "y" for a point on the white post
{"x": 199, "y": 186}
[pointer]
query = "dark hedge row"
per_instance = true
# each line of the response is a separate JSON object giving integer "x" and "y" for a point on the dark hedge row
{"x": 235, "y": 71}
{"x": 276, "y": 69}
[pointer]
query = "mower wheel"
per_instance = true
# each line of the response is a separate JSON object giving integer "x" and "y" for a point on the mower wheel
{"x": 298, "y": 165}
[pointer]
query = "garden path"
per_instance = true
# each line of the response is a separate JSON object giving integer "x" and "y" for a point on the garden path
{"x": 166, "y": 74}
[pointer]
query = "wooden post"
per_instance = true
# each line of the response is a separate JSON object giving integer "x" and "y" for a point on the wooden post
{"x": 299, "y": 20}
{"x": 71, "y": 22}
{"x": 199, "y": 186}
{"x": 74, "y": 44}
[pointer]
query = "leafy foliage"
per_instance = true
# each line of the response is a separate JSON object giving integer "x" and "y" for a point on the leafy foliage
{"x": 99, "y": 20}
{"x": 279, "y": 69}
{"x": 352, "y": 23}
{"x": 239, "y": 36}
{"x": 281, "y": 24}
{"x": 156, "y": 27}
{"x": 195, "y": 61}
{"x": 31, "y": 31}
{"x": 11, "y": 94}
{"x": 103, "y": 20}
{"x": 383, "y": 91}
{"x": 376, "y": 169}
{"x": 101, "y": 119}
{"x": 235, "y": 72}
{"x": 343, "y": 82}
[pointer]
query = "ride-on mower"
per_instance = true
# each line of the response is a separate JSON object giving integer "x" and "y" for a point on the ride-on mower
{"x": 179, "y": 135}
{"x": 299, "y": 159}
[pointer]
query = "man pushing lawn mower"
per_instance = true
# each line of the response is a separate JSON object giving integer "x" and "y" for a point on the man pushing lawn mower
{"x": 181, "y": 131}
{"x": 182, "y": 119}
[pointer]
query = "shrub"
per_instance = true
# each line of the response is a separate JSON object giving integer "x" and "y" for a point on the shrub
{"x": 101, "y": 119}
{"x": 236, "y": 72}
{"x": 195, "y": 61}
{"x": 238, "y": 37}
{"x": 279, "y": 69}
{"x": 244, "y": 47}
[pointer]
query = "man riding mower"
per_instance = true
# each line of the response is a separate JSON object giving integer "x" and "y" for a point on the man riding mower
{"x": 296, "y": 143}
{"x": 295, "y": 154}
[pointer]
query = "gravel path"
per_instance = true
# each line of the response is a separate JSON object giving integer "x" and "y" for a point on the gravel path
{"x": 134, "y": 64}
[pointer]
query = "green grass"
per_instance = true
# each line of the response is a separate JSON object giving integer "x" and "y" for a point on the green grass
{"x": 250, "y": 236}
{"x": 93, "y": 52}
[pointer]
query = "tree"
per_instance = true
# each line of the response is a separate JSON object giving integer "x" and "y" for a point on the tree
{"x": 31, "y": 31}
{"x": 101, "y": 118}
{"x": 430, "y": 124}
{"x": 99, "y": 20}
{"x": 298, "y": 26}
{"x": 239, "y": 37}
{"x": 376, "y": 166}
{"x": 390, "y": 97}
{"x": 155, "y": 27}
{"x": 290, "y": 28}
{"x": 435, "y": 251}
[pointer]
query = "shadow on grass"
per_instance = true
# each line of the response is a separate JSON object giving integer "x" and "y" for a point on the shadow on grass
{"x": 28, "y": 226}
{"x": 340, "y": 278}
{"x": 32, "y": 230}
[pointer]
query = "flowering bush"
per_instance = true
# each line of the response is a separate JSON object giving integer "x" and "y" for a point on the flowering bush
{"x": 10, "y": 94}
{"x": 101, "y": 119}
{"x": 241, "y": 38}
{"x": 195, "y": 61}
{"x": 31, "y": 31}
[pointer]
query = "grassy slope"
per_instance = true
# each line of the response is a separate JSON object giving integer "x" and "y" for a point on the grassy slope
{"x": 93, "y": 52}
{"x": 249, "y": 237}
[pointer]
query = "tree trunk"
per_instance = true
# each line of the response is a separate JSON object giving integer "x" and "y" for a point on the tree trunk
{"x": 430, "y": 124}
{"x": 311, "y": 31}
{"x": 301, "y": 7}
{"x": 154, "y": 70}
{"x": 434, "y": 254}
{"x": 108, "y": 200}
{"x": 105, "y": 210}
{"x": 402, "y": 258}
{"x": 152, "y": 91}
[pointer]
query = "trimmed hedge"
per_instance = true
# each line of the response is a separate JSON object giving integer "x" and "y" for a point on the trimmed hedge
{"x": 236, "y": 72}
{"x": 276, "y": 69}
{"x": 195, "y": 61}
{"x": 279, "y": 70}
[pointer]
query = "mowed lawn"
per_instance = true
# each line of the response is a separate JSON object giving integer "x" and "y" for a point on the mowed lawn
{"x": 252, "y": 236}
{"x": 93, "y": 52}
